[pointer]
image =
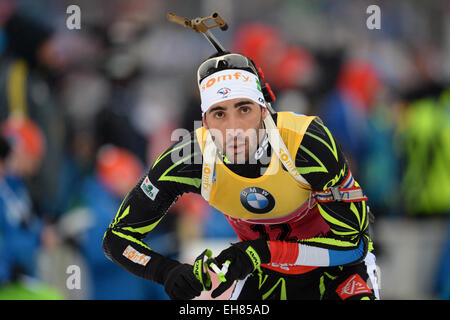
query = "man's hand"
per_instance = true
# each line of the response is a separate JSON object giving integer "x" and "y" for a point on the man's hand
{"x": 244, "y": 257}
{"x": 182, "y": 284}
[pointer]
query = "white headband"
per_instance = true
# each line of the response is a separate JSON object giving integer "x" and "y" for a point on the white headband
{"x": 230, "y": 84}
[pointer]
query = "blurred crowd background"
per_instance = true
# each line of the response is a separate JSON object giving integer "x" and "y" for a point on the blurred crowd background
{"x": 85, "y": 112}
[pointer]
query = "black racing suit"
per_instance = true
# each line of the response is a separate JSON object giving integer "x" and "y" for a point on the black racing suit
{"x": 348, "y": 222}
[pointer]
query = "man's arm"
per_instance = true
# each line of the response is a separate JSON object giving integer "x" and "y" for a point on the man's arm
{"x": 146, "y": 205}
{"x": 322, "y": 163}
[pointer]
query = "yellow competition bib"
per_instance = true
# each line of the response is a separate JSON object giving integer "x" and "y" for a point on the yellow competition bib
{"x": 274, "y": 194}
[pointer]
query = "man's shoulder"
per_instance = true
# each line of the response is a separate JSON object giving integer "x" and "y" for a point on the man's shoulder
{"x": 293, "y": 121}
{"x": 184, "y": 150}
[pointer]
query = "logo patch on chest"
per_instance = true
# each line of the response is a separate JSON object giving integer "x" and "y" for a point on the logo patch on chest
{"x": 257, "y": 200}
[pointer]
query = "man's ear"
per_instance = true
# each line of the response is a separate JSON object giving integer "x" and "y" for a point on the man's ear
{"x": 204, "y": 121}
{"x": 263, "y": 113}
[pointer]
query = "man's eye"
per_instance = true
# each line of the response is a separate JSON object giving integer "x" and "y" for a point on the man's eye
{"x": 219, "y": 115}
{"x": 245, "y": 109}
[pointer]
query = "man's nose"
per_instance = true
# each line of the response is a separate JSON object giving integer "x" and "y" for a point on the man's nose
{"x": 233, "y": 122}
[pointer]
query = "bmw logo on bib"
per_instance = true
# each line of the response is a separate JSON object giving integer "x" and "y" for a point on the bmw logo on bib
{"x": 257, "y": 200}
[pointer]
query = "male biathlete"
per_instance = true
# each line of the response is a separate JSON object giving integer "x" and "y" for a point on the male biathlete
{"x": 283, "y": 184}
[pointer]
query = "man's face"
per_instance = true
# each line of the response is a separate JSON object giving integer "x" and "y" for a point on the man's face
{"x": 236, "y": 126}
